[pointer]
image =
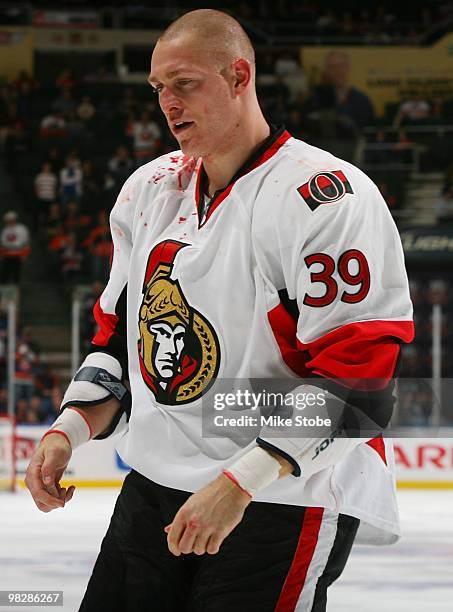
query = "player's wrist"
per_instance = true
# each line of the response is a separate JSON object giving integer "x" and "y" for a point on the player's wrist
{"x": 54, "y": 437}
{"x": 254, "y": 471}
{"x": 233, "y": 484}
{"x": 73, "y": 426}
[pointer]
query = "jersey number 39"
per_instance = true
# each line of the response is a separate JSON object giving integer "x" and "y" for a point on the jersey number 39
{"x": 360, "y": 279}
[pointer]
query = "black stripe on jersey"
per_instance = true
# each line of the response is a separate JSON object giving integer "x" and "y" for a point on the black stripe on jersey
{"x": 268, "y": 446}
{"x": 290, "y": 305}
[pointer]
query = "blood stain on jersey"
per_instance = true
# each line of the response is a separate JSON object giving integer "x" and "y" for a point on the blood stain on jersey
{"x": 179, "y": 352}
{"x": 325, "y": 188}
{"x": 183, "y": 168}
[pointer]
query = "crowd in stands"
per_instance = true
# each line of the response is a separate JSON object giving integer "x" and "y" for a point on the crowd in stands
{"x": 368, "y": 22}
{"x": 37, "y": 389}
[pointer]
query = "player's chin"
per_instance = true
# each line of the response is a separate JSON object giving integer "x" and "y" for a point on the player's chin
{"x": 190, "y": 147}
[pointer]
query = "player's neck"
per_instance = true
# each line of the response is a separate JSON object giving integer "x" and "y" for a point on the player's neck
{"x": 221, "y": 168}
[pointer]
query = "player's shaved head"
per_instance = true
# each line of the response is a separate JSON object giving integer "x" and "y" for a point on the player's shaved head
{"x": 215, "y": 33}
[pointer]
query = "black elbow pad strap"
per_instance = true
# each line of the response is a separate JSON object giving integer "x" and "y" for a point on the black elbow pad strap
{"x": 268, "y": 446}
{"x": 110, "y": 383}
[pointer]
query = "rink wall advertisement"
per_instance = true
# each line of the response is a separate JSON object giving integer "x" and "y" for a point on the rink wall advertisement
{"x": 421, "y": 462}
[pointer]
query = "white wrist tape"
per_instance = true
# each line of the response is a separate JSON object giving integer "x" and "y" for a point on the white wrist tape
{"x": 87, "y": 392}
{"x": 75, "y": 427}
{"x": 254, "y": 471}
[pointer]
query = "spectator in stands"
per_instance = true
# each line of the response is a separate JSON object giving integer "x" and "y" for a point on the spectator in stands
{"x": 45, "y": 184}
{"x": 76, "y": 127}
{"x": 27, "y": 364}
{"x": 350, "y": 101}
{"x": 65, "y": 80}
{"x": 412, "y": 111}
{"x": 24, "y": 82}
{"x": 120, "y": 166}
{"x": 46, "y": 381}
{"x": 71, "y": 260}
{"x": 35, "y": 409}
{"x": 14, "y": 248}
{"x": 53, "y": 156}
{"x": 75, "y": 221}
{"x": 99, "y": 245}
{"x": 146, "y": 135}
{"x": 65, "y": 103}
{"x": 71, "y": 178}
{"x": 53, "y": 125}
{"x": 86, "y": 111}
{"x": 403, "y": 149}
{"x": 53, "y": 222}
{"x": 22, "y": 406}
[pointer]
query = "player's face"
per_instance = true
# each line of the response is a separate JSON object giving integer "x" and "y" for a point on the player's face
{"x": 170, "y": 343}
{"x": 195, "y": 97}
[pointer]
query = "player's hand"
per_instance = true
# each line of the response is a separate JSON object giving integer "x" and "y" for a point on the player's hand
{"x": 45, "y": 471}
{"x": 207, "y": 518}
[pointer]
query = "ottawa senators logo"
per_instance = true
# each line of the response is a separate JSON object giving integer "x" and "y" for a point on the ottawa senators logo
{"x": 325, "y": 188}
{"x": 178, "y": 349}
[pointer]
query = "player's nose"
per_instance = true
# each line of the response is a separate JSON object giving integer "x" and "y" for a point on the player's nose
{"x": 169, "y": 103}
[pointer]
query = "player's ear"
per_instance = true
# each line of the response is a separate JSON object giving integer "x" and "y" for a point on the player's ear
{"x": 242, "y": 72}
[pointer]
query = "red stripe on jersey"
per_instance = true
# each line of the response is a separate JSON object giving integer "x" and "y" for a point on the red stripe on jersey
{"x": 305, "y": 550}
{"x": 284, "y": 327}
{"x": 379, "y": 446}
{"x": 365, "y": 350}
{"x": 107, "y": 325}
{"x": 272, "y": 150}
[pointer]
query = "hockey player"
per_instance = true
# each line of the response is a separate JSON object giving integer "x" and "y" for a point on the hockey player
{"x": 245, "y": 255}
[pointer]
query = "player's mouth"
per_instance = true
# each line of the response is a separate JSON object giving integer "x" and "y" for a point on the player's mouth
{"x": 181, "y": 126}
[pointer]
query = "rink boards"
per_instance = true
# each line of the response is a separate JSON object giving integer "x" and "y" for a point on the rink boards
{"x": 421, "y": 462}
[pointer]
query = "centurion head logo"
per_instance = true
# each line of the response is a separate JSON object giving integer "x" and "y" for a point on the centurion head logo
{"x": 178, "y": 349}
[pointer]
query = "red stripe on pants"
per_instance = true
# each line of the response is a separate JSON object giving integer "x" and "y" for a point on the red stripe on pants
{"x": 297, "y": 574}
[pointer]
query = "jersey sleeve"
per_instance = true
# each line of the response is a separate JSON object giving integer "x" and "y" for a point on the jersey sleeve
{"x": 336, "y": 281}
{"x": 337, "y": 291}
{"x": 104, "y": 372}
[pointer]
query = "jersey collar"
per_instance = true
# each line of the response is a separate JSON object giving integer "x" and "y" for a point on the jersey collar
{"x": 268, "y": 149}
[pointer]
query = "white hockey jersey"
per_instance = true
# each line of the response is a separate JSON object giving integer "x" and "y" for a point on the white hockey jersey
{"x": 296, "y": 269}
